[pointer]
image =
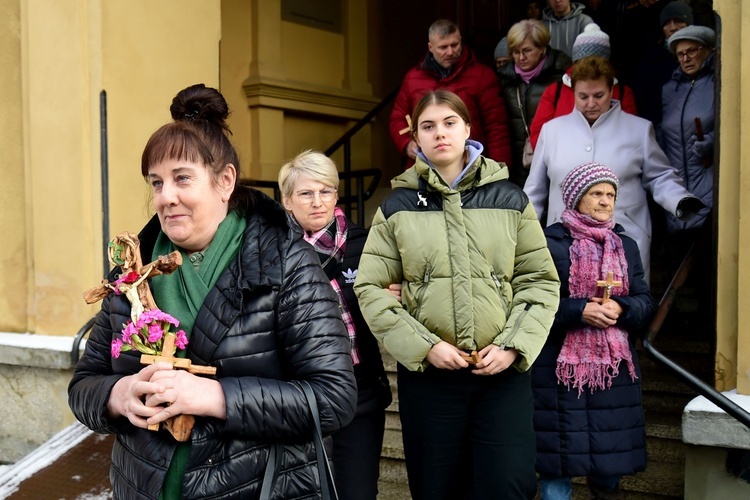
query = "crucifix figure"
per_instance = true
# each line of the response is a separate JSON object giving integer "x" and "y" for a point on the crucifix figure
{"x": 124, "y": 251}
{"x": 608, "y": 285}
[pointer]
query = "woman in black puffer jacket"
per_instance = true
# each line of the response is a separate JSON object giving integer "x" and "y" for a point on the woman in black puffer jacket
{"x": 256, "y": 305}
{"x": 534, "y": 66}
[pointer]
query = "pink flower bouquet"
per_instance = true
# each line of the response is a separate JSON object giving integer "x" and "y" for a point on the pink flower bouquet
{"x": 147, "y": 335}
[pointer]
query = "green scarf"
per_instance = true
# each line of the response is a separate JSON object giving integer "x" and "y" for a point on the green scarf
{"x": 182, "y": 294}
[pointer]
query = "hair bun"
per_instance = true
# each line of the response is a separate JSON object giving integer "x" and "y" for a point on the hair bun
{"x": 199, "y": 102}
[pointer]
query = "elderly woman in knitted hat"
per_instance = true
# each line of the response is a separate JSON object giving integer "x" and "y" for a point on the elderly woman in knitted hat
{"x": 558, "y": 100}
{"x": 588, "y": 416}
{"x": 688, "y": 99}
{"x": 535, "y": 66}
{"x": 598, "y": 130}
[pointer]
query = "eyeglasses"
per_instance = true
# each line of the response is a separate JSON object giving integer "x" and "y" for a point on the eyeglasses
{"x": 523, "y": 52}
{"x": 690, "y": 53}
{"x": 326, "y": 195}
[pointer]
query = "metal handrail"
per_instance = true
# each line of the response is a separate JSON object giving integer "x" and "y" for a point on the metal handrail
{"x": 74, "y": 351}
{"x": 665, "y": 304}
{"x": 345, "y": 141}
{"x": 361, "y": 123}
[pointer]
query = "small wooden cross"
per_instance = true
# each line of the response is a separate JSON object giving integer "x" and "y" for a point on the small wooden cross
{"x": 179, "y": 426}
{"x": 406, "y": 129}
{"x": 470, "y": 357}
{"x": 608, "y": 285}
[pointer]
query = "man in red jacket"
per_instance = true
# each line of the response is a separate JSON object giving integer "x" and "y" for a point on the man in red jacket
{"x": 451, "y": 66}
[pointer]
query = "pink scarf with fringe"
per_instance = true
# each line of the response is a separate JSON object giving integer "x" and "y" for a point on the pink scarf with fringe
{"x": 591, "y": 356}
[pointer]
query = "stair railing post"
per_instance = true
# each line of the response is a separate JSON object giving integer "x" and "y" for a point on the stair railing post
{"x": 347, "y": 172}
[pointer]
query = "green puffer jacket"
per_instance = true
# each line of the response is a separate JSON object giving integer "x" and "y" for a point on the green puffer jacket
{"x": 473, "y": 263}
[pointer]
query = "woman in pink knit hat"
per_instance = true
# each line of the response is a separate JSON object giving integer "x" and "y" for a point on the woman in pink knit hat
{"x": 588, "y": 414}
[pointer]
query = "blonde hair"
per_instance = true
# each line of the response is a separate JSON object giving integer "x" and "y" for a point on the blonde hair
{"x": 528, "y": 28}
{"x": 311, "y": 164}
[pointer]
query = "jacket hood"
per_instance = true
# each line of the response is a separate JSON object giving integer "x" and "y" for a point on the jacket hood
{"x": 481, "y": 171}
{"x": 576, "y": 9}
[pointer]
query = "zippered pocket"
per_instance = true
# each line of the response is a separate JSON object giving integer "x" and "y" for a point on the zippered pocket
{"x": 422, "y": 290}
{"x": 516, "y": 326}
{"x": 500, "y": 285}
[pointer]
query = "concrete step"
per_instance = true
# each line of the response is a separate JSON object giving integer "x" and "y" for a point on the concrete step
{"x": 393, "y": 491}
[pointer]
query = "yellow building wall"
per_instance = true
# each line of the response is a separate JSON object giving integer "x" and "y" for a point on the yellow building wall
{"x": 292, "y": 87}
{"x": 13, "y": 259}
{"x": 59, "y": 56}
{"x": 733, "y": 313}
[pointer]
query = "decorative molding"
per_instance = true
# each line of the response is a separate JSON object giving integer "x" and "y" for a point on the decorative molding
{"x": 305, "y": 98}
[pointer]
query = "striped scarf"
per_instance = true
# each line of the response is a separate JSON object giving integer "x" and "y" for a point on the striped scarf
{"x": 330, "y": 244}
{"x": 591, "y": 356}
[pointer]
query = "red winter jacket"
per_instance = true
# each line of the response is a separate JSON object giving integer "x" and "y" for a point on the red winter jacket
{"x": 476, "y": 84}
{"x": 547, "y": 109}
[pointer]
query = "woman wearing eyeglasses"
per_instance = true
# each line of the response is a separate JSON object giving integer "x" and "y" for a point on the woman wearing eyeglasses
{"x": 685, "y": 98}
{"x": 309, "y": 185}
{"x": 535, "y": 66}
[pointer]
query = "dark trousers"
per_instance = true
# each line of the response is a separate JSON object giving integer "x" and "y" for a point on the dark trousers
{"x": 356, "y": 456}
{"x": 468, "y": 436}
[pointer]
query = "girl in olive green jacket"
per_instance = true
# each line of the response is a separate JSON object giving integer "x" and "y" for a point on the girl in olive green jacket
{"x": 479, "y": 293}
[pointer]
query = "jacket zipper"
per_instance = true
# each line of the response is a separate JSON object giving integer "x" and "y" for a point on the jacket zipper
{"x": 499, "y": 285}
{"x": 682, "y": 136}
{"x": 516, "y": 326}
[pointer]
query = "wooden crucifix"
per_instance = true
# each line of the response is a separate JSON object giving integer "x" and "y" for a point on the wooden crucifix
{"x": 608, "y": 285}
{"x": 124, "y": 251}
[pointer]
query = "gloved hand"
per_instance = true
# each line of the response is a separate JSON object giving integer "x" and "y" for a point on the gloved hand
{"x": 704, "y": 147}
{"x": 688, "y": 207}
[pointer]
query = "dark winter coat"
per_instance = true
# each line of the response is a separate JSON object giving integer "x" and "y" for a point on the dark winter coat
{"x": 601, "y": 433}
{"x": 654, "y": 70}
{"x": 272, "y": 318}
{"x": 683, "y": 100}
{"x": 373, "y": 391}
{"x": 522, "y": 99}
{"x": 476, "y": 85}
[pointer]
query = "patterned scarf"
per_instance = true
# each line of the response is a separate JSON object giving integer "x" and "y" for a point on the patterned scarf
{"x": 592, "y": 355}
{"x": 330, "y": 244}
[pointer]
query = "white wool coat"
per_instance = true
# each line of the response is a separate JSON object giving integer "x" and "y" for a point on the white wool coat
{"x": 623, "y": 142}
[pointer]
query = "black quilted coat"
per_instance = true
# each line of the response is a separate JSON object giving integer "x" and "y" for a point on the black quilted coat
{"x": 271, "y": 319}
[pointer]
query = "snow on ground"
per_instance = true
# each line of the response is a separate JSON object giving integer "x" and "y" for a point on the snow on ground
{"x": 12, "y": 475}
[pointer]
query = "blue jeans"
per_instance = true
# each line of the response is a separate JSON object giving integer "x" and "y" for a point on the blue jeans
{"x": 558, "y": 488}
{"x": 561, "y": 488}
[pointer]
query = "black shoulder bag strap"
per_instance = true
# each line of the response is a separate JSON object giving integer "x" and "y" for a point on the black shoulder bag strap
{"x": 325, "y": 474}
{"x": 273, "y": 467}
